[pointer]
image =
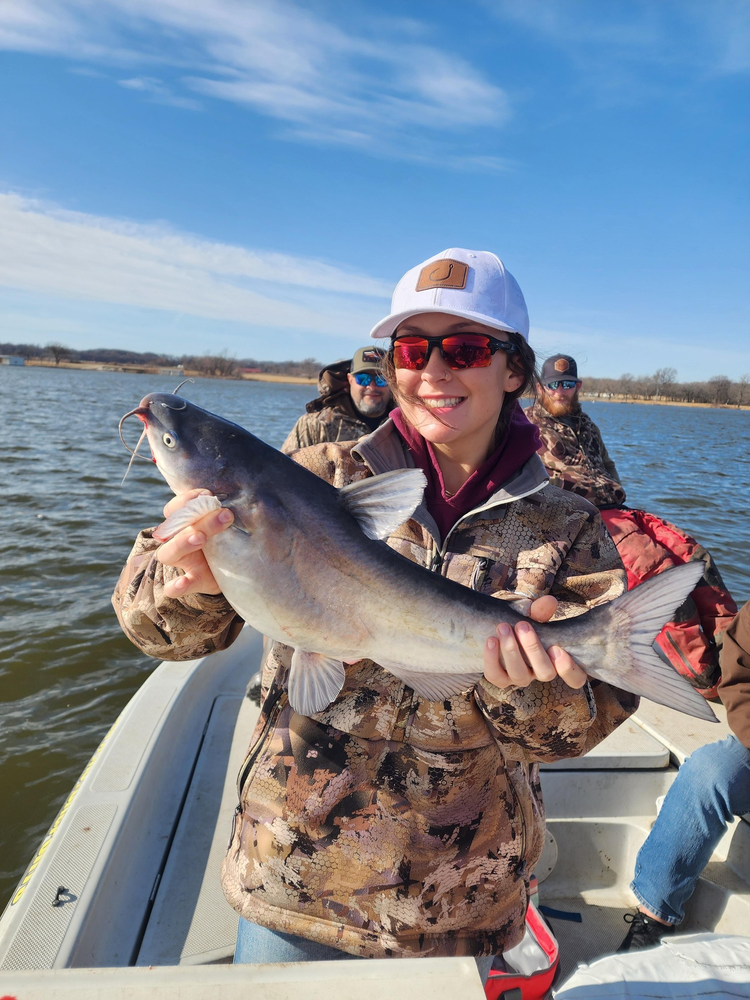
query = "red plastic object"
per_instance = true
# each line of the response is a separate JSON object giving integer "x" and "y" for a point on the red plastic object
{"x": 536, "y": 985}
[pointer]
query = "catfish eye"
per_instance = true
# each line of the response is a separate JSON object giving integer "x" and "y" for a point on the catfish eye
{"x": 169, "y": 441}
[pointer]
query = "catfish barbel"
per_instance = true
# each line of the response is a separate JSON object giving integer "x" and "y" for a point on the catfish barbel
{"x": 304, "y": 563}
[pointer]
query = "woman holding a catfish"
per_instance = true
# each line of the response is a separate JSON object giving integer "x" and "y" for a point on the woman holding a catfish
{"x": 388, "y": 824}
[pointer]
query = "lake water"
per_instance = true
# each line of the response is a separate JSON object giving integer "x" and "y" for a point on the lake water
{"x": 66, "y": 526}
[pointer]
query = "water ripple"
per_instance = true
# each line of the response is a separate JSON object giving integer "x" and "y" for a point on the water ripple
{"x": 66, "y": 669}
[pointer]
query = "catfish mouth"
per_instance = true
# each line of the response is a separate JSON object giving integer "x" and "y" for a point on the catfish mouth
{"x": 144, "y": 413}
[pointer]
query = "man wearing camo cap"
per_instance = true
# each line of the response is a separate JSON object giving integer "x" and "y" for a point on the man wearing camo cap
{"x": 572, "y": 448}
{"x": 353, "y": 400}
{"x": 576, "y": 459}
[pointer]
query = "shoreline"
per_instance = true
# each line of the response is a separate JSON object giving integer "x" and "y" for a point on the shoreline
{"x": 166, "y": 371}
{"x": 312, "y": 380}
{"x": 289, "y": 379}
{"x": 662, "y": 402}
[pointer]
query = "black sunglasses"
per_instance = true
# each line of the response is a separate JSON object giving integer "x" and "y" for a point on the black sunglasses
{"x": 566, "y": 383}
{"x": 458, "y": 350}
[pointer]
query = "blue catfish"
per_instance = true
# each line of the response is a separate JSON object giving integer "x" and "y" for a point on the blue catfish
{"x": 304, "y": 563}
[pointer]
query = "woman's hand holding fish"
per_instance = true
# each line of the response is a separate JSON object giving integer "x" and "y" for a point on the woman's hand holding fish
{"x": 185, "y": 550}
{"x": 517, "y": 657}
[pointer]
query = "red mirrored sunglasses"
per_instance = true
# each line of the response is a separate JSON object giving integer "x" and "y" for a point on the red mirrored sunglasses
{"x": 459, "y": 350}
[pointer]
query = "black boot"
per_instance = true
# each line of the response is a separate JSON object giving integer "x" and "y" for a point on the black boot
{"x": 644, "y": 932}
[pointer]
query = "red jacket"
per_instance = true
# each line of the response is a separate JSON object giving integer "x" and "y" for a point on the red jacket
{"x": 647, "y": 546}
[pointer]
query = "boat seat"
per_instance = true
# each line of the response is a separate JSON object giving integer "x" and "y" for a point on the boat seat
{"x": 680, "y": 733}
{"x": 629, "y": 746}
{"x": 654, "y": 737}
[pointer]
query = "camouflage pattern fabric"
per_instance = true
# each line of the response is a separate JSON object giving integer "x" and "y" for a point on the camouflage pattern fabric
{"x": 161, "y": 626}
{"x": 328, "y": 424}
{"x": 575, "y": 457}
{"x": 388, "y": 825}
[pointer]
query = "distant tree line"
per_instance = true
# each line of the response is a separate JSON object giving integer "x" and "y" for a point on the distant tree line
{"x": 717, "y": 391}
{"x": 221, "y": 365}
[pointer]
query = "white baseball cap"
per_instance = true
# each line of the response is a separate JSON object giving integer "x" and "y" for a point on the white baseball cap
{"x": 474, "y": 284}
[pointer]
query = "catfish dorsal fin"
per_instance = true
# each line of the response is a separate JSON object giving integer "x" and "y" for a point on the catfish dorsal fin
{"x": 380, "y": 504}
{"x": 191, "y": 512}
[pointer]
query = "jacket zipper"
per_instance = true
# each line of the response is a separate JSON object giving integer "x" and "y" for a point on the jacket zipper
{"x": 436, "y": 565}
{"x": 520, "y": 868}
{"x": 274, "y": 709}
{"x": 681, "y": 655}
{"x": 480, "y": 574}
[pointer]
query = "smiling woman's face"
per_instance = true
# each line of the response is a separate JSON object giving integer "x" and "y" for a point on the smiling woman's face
{"x": 456, "y": 411}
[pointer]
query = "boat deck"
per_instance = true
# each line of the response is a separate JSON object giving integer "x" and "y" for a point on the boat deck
{"x": 191, "y": 922}
{"x": 156, "y": 846}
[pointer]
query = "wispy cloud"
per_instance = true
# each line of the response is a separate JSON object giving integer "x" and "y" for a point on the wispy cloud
{"x": 711, "y": 38}
{"x": 72, "y": 255}
{"x": 159, "y": 92}
{"x": 380, "y": 88}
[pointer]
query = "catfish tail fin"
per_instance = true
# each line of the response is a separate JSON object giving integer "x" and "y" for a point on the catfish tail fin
{"x": 638, "y": 617}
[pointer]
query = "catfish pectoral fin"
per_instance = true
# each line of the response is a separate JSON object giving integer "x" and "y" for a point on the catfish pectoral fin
{"x": 314, "y": 681}
{"x": 188, "y": 514}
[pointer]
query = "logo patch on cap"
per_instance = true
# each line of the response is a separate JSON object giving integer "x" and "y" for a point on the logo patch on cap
{"x": 370, "y": 354}
{"x": 443, "y": 274}
{"x": 561, "y": 365}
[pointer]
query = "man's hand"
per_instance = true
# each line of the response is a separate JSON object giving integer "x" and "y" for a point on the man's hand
{"x": 185, "y": 550}
{"x": 517, "y": 657}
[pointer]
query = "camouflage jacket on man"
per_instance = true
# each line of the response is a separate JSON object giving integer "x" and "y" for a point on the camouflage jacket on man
{"x": 330, "y": 417}
{"x": 575, "y": 457}
{"x": 389, "y": 825}
{"x": 332, "y": 423}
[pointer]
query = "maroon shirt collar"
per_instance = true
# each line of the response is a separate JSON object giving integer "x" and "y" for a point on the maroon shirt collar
{"x": 520, "y": 442}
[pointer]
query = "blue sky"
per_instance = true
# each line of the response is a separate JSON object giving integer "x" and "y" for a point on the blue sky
{"x": 254, "y": 176}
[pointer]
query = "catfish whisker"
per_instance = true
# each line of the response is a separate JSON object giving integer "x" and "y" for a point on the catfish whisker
{"x": 134, "y": 453}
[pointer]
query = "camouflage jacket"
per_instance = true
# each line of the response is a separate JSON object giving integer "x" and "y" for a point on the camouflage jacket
{"x": 328, "y": 424}
{"x": 388, "y": 824}
{"x": 575, "y": 457}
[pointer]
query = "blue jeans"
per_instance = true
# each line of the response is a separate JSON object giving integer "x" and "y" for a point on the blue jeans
{"x": 711, "y": 787}
{"x": 256, "y": 944}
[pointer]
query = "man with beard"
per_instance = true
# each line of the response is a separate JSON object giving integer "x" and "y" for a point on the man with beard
{"x": 576, "y": 459}
{"x": 353, "y": 400}
{"x": 572, "y": 448}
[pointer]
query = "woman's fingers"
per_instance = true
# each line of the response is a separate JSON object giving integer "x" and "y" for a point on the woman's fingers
{"x": 567, "y": 668}
{"x": 543, "y": 608}
{"x": 194, "y": 537}
{"x": 185, "y": 551}
{"x": 534, "y": 653}
{"x": 493, "y": 669}
{"x": 517, "y": 657}
{"x": 196, "y": 578}
{"x": 504, "y": 664}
